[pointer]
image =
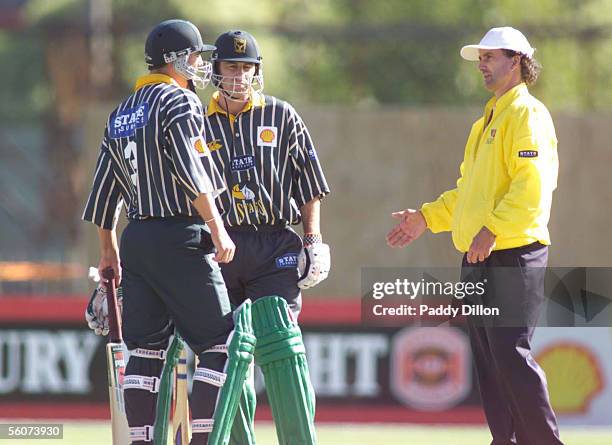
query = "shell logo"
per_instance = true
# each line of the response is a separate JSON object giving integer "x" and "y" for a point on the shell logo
{"x": 199, "y": 146}
{"x": 267, "y": 135}
{"x": 574, "y": 376}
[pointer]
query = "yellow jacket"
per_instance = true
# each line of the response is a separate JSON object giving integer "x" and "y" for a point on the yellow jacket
{"x": 508, "y": 174}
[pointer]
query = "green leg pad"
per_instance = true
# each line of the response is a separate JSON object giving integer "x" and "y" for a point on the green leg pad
{"x": 281, "y": 355}
{"x": 240, "y": 356}
{"x": 243, "y": 428}
{"x": 164, "y": 397}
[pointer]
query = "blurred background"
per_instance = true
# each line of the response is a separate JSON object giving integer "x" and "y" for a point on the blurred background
{"x": 389, "y": 103}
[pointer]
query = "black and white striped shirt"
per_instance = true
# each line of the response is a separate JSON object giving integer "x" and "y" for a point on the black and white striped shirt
{"x": 153, "y": 156}
{"x": 267, "y": 159}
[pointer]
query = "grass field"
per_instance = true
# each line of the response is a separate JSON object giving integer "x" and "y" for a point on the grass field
{"x": 98, "y": 433}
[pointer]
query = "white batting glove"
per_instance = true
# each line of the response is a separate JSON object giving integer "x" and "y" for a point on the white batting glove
{"x": 314, "y": 262}
{"x": 96, "y": 313}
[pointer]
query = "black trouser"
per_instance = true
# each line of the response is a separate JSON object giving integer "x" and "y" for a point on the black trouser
{"x": 265, "y": 264}
{"x": 169, "y": 279}
{"x": 512, "y": 385}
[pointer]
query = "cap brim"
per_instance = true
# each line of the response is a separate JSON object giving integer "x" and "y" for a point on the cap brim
{"x": 240, "y": 59}
{"x": 470, "y": 52}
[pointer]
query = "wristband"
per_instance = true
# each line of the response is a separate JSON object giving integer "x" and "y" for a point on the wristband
{"x": 312, "y": 238}
{"x": 211, "y": 219}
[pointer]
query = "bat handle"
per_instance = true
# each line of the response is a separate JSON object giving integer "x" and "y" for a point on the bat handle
{"x": 114, "y": 318}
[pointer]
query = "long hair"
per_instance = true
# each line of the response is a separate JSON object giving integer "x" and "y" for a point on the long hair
{"x": 530, "y": 67}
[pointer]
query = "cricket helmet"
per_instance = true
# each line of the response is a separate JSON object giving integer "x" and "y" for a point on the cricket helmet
{"x": 173, "y": 41}
{"x": 236, "y": 46}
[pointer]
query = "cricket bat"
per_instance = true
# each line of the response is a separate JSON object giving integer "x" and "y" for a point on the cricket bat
{"x": 181, "y": 424}
{"x": 115, "y": 364}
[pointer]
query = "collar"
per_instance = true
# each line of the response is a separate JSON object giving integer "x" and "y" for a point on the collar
{"x": 154, "y": 78}
{"x": 256, "y": 100}
{"x": 497, "y": 105}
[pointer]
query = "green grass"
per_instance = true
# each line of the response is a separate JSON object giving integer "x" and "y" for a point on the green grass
{"x": 98, "y": 433}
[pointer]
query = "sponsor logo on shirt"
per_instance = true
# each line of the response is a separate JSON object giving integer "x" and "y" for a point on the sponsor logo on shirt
{"x": 241, "y": 163}
{"x": 266, "y": 136}
{"x": 242, "y": 193}
{"x": 200, "y": 147}
{"x": 214, "y": 145}
{"x": 127, "y": 121}
{"x": 287, "y": 261}
{"x": 528, "y": 154}
{"x": 246, "y": 204}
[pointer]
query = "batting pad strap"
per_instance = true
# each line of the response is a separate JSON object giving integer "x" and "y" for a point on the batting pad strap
{"x": 150, "y": 384}
{"x": 210, "y": 376}
{"x": 217, "y": 348}
{"x": 149, "y": 353}
{"x": 202, "y": 425}
{"x": 142, "y": 433}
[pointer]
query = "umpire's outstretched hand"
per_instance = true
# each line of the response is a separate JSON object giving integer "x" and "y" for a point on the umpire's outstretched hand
{"x": 411, "y": 226}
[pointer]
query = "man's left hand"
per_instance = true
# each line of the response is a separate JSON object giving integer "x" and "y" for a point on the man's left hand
{"x": 96, "y": 313}
{"x": 481, "y": 246}
{"x": 314, "y": 262}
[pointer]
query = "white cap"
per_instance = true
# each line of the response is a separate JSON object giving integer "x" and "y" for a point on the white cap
{"x": 500, "y": 38}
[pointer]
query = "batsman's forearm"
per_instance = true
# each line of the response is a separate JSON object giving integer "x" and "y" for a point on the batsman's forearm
{"x": 108, "y": 241}
{"x": 311, "y": 216}
{"x": 205, "y": 205}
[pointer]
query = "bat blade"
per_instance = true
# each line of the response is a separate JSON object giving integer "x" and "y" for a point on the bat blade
{"x": 115, "y": 364}
{"x": 181, "y": 425}
{"x": 116, "y": 371}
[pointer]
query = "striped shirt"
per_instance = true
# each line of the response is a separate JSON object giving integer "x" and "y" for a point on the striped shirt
{"x": 267, "y": 159}
{"x": 153, "y": 156}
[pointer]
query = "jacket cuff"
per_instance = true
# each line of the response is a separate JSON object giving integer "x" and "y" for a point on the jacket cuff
{"x": 490, "y": 224}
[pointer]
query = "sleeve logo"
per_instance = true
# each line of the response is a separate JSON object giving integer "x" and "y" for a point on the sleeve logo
{"x": 200, "y": 147}
{"x": 528, "y": 154}
{"x": 266, "y": 136}
{"x": 127, "y": 121}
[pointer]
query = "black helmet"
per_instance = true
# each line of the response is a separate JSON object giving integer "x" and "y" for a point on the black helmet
{"x": 236, "y": 46}
{"x": 172, "y": 41}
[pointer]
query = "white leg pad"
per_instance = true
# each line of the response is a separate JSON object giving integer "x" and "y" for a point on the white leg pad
{"x": 210, "y": 376}
{"x": 150, "y": 384}
{"x": 141, "y": 433}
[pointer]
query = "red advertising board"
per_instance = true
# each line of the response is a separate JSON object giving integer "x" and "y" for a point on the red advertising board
{"x": 54, "y": 367}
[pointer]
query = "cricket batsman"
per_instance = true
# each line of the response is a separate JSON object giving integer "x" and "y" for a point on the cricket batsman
{"x": 153, "y": 158}
{"x": 274, "y": 180}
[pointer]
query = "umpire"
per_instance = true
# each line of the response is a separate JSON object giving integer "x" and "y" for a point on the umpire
{"x": 153, "y": 158}
{"x": 498, "y": 215}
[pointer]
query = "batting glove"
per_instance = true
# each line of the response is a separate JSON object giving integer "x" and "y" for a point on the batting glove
{"x": 314, "y": 262}
{"x": 96, "y": 313}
